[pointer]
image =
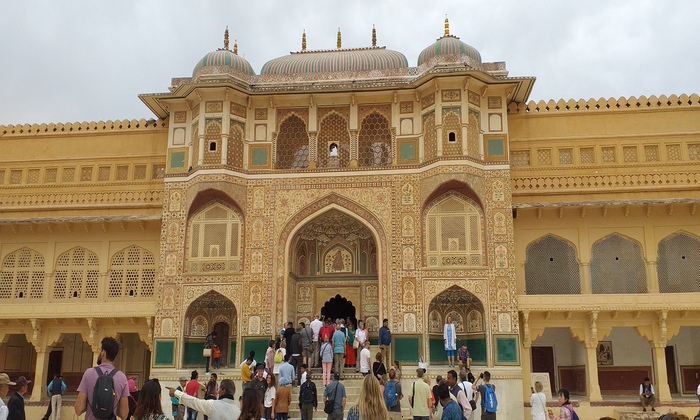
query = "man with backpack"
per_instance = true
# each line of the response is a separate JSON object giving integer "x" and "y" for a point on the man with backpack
{"x": 103, "y": 392}
{"x": 393, "y": 395}
{"x": 487, "y": 393}
{"x": 308, "y": 398}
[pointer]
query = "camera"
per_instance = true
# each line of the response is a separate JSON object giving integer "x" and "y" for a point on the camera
{"x": 481, "y": 376}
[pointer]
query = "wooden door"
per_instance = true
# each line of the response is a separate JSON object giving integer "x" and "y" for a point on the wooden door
{"x": 222, "y": 339}
{"x": 543, "y": 361}
{"x": 671, "y": 369}
{"x": 55, "y": 359}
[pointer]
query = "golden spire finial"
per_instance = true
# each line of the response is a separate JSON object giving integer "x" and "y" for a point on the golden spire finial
{"x": 374, "y": 36}
{"x": 226, "y": 38}
{"x": 340, "y": 42}
{"x": 235, "y": 47}
{"x": 303, "y": 41}
{"x": 447, "y": 26}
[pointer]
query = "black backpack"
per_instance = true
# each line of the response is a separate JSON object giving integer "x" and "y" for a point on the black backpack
{"x": 103, "y": 395}
{"x": 56, "y": 389}
{"x": 307, "y": 393}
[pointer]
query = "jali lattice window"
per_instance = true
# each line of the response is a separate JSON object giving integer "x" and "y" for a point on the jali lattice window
{"x": 77, "y": 274}
{"x": 132, "y": 273}
{"x": 292, "y": 144}
{"x": 453, "y": 233}
{"x": 551, "y": 267}
{"x": 617, "y": 266}
{"x": 678, "y": 266}
{"x": 333, "y": 129}
{"x": 22, "y": 275}
{"x": 215, "y": 239}
{"x": 429, "y": 136}
{"x": 374, "y": 141}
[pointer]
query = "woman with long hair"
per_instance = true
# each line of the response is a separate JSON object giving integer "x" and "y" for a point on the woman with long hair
{"x": 397, "y": 369}
{"x": 270, "y": 396}
{"x": 251, "y": 406}
{"x": 148, "y": 406}
{"x": 370, "y": 405}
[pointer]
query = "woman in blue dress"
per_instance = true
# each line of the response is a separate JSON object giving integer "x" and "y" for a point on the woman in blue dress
{"x": 449, "y": 334}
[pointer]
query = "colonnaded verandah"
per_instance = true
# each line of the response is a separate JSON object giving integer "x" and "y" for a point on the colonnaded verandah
{"x": 561, "y": 237}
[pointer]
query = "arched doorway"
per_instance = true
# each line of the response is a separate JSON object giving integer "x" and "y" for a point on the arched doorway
{"x": 467, "y": 313}
{"x": 340, "y": 307}
{"x": 210, "y": 312}
{"x": 333, "y": 269}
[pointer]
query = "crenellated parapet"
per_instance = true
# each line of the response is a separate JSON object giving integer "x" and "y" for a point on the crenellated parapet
{"x": 602, "y": 104}
{"x": 82, "y": 127}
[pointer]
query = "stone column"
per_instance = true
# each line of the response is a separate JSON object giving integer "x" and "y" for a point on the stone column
{"x": 526, "y": 363}
{"x": 224, "y": 148}
{"x": 660, "y": 379}
{"x": 586, "y": 278}
{"x": 40, "y": 372}
{"x": 592, "y": 372}
{"x": 652, "y": 277}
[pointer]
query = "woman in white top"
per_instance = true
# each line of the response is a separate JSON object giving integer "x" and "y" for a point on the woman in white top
{"x": 360, "y": 337}
{"x": 269, "y": 401}
{"x": 449, "y": 334}
{"x": 538, "y": 402}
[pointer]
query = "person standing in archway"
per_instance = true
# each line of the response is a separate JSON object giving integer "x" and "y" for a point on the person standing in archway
{"x": 449, "y": 334}
{"x": 208, "y": 344}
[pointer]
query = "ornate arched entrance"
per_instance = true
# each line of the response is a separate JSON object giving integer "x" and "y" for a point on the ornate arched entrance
{"x": 210, "y": 312}
{"x": 340, "y": 307}
{"x": 333, "y": 268}
{"x": 468, "y": 315}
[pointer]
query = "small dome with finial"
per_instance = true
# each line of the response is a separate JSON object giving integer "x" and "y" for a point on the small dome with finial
{"x": 449, "y": 45}
{"x": 223, "y": 61}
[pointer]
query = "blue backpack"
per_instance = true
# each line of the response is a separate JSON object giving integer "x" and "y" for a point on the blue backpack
{"x": 490, "y": 400}
{"x": 390, "y": 394}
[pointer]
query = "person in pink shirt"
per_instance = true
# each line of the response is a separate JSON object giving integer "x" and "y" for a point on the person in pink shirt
{"x": 105, "y": 361}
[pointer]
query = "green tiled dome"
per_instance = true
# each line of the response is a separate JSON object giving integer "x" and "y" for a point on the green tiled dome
{"x": 330, "y": 61}
{"x": 222, "y": 62}
{"x": 448, "y": 45}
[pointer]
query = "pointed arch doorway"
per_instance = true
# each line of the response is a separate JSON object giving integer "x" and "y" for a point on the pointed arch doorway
{"x": 340, "y": 307}
{"x": 333, "y": 268}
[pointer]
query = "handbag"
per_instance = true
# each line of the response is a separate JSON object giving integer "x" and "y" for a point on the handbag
{"x": 206, "y": 353}
{"x": 355, "y": 344}
{"x": 330, "y": 404}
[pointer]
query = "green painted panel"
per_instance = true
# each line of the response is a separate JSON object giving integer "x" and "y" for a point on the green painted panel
{"x": 193, "y": 353}
{"x": 259, "y": 345}
{"x": 477, "y": 349}
{"x": 177, "y": 159}
{"x": 232, "y": 353}
{"x": 507, "y": 349}
{"x": 495, "y": 147}
{"x": 164, "y": 353}
{"x": 437, "y": 350}
{"x": 407, "y": 349}
{"x": 259, "y": 157}
{"x": 407, "y": 151}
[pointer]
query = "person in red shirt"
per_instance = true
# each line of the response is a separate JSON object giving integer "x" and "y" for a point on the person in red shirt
{"x": 192, "y": 388}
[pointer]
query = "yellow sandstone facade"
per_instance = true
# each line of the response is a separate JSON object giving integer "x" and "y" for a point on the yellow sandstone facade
{"x": 561, "y": 237}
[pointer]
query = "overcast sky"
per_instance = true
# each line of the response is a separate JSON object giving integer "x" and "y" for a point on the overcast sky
{"x": 87, "y": 60}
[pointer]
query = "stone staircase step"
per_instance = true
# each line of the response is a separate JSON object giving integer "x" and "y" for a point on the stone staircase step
{"x": 637, "y": 415}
